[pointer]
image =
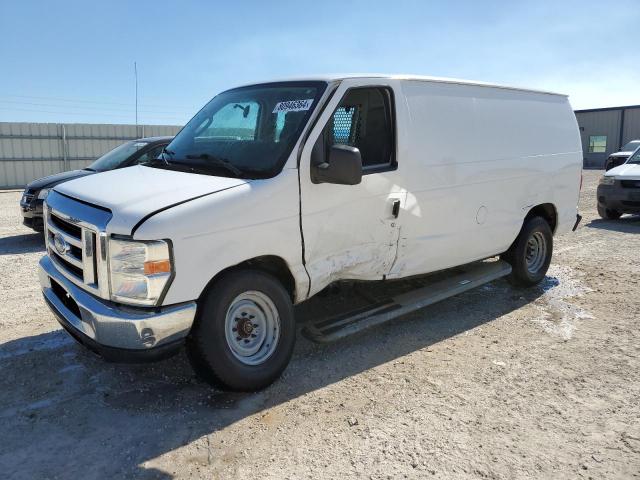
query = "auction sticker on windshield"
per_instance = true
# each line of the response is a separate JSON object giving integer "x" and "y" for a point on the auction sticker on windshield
{"x": 293, "y": 106}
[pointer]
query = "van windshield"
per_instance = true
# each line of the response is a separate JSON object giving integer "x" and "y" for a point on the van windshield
{"x": 246, "y": 132}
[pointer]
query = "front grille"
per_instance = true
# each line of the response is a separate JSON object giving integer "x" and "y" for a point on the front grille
{"x": 72, "y": 247}
{"x": 630, "y": 183}
{"x": 76, "y": 242}
{"x": 66, "y": 226}
{"x": 630, "y": 203}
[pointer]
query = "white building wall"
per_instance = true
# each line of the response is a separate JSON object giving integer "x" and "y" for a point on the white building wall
{"x": 29, "y": 151}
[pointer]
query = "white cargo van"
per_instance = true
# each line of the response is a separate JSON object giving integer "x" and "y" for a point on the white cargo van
{"x": 273, "y": 191}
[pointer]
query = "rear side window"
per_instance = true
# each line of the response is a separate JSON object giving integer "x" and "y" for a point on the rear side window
{"x": 364, "y": 119}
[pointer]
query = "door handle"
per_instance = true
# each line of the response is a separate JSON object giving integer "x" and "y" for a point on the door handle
{"x": 395, "y": 211}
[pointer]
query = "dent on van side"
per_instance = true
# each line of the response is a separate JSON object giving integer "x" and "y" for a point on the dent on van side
{"x": 274, "y": 191}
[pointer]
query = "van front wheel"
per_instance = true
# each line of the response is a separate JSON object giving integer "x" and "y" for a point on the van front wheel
{"x": 244, "y": 332}
{"x": 530, "y": 254}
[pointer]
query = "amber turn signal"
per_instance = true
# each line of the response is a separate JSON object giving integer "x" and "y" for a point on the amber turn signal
{"x": 158, "y": 266}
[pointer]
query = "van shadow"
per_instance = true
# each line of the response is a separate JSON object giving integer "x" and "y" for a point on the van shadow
{"x": 25, "y": 243}
{"x": 65, "y": 413}
{"x": 625, "y": 224}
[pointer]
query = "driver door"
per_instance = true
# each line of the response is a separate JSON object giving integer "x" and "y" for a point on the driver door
{"x": 351, "y": 231}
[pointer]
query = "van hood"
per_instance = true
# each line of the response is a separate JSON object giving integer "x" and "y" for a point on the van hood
{"x": 135, "y": 192}
{"x": 627, "y": 171}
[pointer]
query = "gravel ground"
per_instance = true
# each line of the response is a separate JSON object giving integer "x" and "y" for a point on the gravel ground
{"x": 494, "y": 383}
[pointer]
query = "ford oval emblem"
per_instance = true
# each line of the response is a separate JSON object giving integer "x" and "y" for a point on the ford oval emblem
{"x": 62, "y": 247}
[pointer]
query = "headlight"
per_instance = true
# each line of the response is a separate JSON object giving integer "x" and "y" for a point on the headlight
{"x": 605, "y": 180}
{"x": 42, "y": 194}
{"x": 140, "y": 270}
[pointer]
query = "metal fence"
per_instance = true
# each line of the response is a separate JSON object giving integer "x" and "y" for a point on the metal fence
{"x": 33, "y": 150}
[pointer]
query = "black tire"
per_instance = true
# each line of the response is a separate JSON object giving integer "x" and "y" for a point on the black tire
{"x": 608, "y": 214}
{"x": 209, "y": 350}
{"x": 527, "y": 273}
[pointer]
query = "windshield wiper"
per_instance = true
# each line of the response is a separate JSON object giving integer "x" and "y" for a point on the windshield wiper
{"x": 166, "y": 151}
{"x": 163, "y": 162}
{"x": 90, "y": 169}
{"x": 218, "y": 162}
{"x": 177, "y": 166}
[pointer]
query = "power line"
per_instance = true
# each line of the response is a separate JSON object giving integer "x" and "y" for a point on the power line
{"x": 59, "y": 99}
{"x": 13, "y": 109}
{"x": 130, "y": 110}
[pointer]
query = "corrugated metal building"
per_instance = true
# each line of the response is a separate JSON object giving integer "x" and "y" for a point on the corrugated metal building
{"x": 33, "y": 150}
{"x": 605, "y": 130}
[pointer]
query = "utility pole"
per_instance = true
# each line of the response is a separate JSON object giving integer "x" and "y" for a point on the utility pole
{"x": 135, "y": 72}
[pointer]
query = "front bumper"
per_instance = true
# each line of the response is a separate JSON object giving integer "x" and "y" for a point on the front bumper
{"x": 116, "y": 332}
{"x": 32, "y": 213}
{"x": 616, "y": 197}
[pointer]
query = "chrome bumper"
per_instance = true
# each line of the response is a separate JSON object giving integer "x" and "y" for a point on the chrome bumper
{"x": 112, "y": 325}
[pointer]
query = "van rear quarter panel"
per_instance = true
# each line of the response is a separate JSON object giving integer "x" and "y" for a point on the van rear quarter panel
{"x": 476, "y": 160}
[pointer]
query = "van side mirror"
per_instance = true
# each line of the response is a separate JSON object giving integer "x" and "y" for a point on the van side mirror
{"x": 344, "y": 167}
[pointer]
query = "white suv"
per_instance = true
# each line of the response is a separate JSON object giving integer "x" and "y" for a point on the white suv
{"x": 619, "y": 189}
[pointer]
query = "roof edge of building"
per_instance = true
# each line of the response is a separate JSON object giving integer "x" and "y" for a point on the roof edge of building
{"x": 606, "y": 109}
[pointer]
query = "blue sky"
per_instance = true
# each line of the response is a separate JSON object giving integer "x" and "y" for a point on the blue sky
{"x": 72, "y": 61}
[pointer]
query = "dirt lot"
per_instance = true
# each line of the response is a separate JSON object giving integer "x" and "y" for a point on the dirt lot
{"x": 494, "y": 383}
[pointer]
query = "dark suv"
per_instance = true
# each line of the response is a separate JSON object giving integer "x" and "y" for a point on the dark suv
{"x": 125, "y": 155}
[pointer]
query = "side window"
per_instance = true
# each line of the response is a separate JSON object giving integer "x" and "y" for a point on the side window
{"x": 234, "y": 121}
{"x": 150, "y": 155}
{"x": 364, "y": 120}
{"x": 597, "y": 143}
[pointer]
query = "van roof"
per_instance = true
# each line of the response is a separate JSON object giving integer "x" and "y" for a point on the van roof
{"x": 422, "y": 78}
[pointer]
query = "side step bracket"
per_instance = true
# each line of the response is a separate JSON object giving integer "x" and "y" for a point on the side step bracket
{"x": 467, "y": 277}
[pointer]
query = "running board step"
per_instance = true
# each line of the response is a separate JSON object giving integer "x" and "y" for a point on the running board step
{"x": 471, "y": 276}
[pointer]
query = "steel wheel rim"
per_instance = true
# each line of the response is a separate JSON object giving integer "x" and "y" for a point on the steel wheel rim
{"x": 252, "y": 327}
{"x": 536, "y": 252}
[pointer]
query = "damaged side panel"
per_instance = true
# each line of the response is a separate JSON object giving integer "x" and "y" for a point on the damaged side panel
{"x": 368, "y": 262}
{"x": 357, "y": 240}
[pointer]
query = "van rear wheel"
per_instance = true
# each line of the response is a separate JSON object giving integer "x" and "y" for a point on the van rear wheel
{"x": 530, "y": 254}
{"x": 244, "y": 332}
